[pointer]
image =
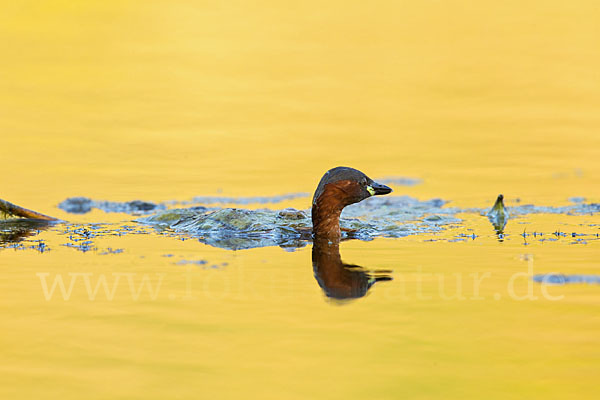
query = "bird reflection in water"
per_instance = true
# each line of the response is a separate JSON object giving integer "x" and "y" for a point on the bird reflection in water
{"x": 341, "y": 281}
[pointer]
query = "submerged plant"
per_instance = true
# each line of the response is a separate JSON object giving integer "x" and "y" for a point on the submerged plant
{"x": 498, "y": 215}
{"x": 10, "y": 210}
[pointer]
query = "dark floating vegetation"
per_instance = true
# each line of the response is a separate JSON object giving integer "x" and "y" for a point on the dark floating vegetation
{"x": 240, "y": 228}
{"x": 82, "y": 237}
{"x": 17, "y": 234}
{"x": 235, "y": 229}
{"x": 390, "y": 217}
{"x": 83, "y": 205}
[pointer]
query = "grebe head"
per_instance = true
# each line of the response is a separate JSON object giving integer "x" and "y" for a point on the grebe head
{"x": 350, "y": 186}
{"x": 338, "y": 188}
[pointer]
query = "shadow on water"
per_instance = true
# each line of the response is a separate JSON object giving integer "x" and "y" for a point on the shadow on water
{"x": 339, "y": 281}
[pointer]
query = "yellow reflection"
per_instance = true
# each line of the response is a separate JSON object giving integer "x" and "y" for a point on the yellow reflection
{"x": 124, "y": 100}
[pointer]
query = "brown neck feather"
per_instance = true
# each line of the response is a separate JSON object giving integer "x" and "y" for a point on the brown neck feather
{"x": 327, "y": 208}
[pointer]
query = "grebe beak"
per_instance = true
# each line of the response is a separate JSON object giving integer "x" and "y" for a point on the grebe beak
{"x": 377, "y": 189}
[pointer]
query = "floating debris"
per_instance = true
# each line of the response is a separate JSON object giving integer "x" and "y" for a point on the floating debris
{"x": 498, "y": 215}
{"x": 400, "y": 181}
{"x": 83, "y": 205}
{"x": 112, "y": 251}
{"x": 83, "y": 247}
{"x": 208, "y": 200}
{"x": 9, "y": 210}
{"x": 202, "y": 263}
{"x": 248, "y": 200}
{"x": 194, "y": 262}
{"x": 240, "y": 228}
{"x": 236, "y": 229}
{"x": 560, "y": 279}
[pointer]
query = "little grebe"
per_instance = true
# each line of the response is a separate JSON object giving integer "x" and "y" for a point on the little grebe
{"x": 338, "y": 188}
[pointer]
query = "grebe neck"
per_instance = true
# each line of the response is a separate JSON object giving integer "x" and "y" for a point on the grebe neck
{"x": 326, "y": 212}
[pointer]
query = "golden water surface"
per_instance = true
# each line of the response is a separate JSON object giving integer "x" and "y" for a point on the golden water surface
{"x": 160, "y": 100}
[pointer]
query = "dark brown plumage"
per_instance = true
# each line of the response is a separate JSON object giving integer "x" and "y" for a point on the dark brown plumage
{"x": 338, "y": 188}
